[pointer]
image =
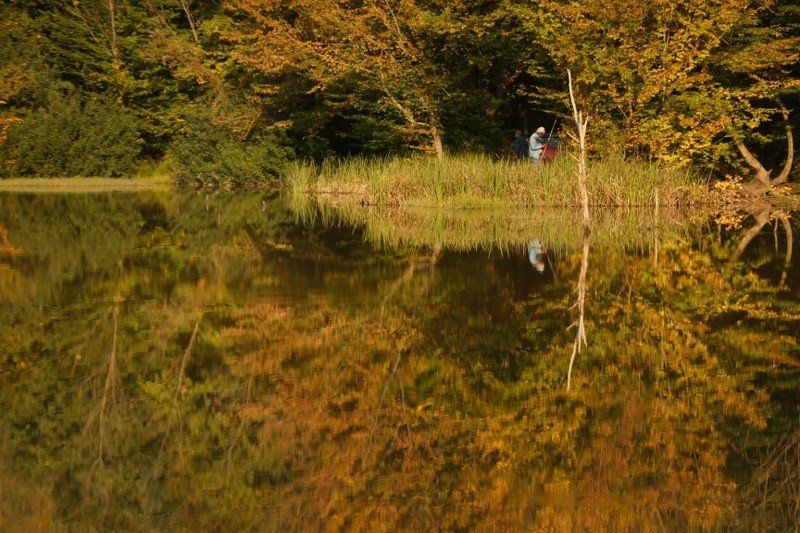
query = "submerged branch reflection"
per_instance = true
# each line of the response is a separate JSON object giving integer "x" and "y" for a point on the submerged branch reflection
{"x": 762, "y": 216}
{"x": 580, "y": 334}
{"x": 787, "y": 262}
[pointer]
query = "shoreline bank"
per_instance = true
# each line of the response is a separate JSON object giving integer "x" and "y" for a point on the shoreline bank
{"x": 82, "y": 185}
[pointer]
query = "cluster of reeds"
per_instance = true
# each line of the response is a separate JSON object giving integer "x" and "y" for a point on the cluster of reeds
{"x": 504, "y": 230}
{"x": 481, "y": 181}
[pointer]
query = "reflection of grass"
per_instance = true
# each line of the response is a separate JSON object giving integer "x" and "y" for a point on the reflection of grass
{"x": 83, "y": 185}
{"x": 503, "y": 229}
{"x": 475, "y": 180}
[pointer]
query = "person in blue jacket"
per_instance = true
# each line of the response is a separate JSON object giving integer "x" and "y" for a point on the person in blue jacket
{"x": 536, "y": 145}
{"x": 537, "y": 254}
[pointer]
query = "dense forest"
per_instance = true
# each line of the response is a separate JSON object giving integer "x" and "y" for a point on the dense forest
{"x": 240, "y": 87}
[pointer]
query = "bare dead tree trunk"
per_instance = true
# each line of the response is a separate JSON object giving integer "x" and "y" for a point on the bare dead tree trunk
{"x": 581, "y": 123}
{"x": 580, "y": 335}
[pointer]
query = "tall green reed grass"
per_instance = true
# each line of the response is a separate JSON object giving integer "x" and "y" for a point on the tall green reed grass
{"x": 472, "y": 180}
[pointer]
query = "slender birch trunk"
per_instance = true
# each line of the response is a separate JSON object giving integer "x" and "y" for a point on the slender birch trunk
{"x": 580, "y": 336}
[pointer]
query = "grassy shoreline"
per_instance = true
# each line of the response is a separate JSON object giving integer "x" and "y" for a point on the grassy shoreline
{"x": 84, "y": 185}
{"x": 470, "y": 181}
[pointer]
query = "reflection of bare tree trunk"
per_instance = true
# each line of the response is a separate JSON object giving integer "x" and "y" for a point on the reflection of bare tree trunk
{"x": 108, "y": 400}
{"x": 404, "y": 279}
{"x": 580, "y": 335}
{"x": 408, "y": 274}
{"x": 761, "y": 219}
{"x": 656, "y": 228}
{"x": 774, "y": 491}
{"x": 173, "y": 413}
{"x": 382, "y": 398}
{"x": 787, "y": 226}
{"x": 182, "y": 371}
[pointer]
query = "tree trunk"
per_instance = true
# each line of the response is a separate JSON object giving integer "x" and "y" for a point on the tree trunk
{"x": 762, "y": 183}
{"x": 580, "y": 123}
{"x": 434, "y": 128}
{"x": 787, "y": 166}
{"x": 761, "y": 174}
{"x": 112, "y": 23}
{"x": 436, "y": 142}
{"x": 190, "y": 17}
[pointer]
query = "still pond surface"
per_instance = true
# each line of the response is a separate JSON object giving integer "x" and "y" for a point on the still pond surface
{"x": 241, "y": 363}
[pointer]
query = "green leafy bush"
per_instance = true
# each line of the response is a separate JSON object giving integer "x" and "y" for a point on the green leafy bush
{"x": 209, "y": 155}
{"x": 72, "y": 136}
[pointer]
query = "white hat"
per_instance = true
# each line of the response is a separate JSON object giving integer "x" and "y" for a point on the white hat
{"x": 540, "y": 129}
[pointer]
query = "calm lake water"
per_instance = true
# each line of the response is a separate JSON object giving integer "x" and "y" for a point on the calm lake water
{"x": 242, "y": 363}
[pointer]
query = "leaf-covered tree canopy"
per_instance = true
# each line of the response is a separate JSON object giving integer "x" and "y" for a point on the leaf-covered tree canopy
{"x": 686, "y": 82}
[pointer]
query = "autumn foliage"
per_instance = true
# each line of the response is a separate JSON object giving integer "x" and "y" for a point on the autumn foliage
{"x": 685, "y": 83}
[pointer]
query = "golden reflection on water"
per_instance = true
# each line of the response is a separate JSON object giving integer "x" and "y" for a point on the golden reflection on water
{"x": 218, "y": 364}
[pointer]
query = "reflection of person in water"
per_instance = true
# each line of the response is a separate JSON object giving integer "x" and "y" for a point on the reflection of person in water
{"x": 537, "y": 254}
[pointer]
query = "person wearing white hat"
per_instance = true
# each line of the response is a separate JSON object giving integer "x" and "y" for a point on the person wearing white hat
{"x": 536, "y": 145}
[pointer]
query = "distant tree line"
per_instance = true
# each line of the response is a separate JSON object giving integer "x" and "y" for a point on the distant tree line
{"x": 231, "y": 90}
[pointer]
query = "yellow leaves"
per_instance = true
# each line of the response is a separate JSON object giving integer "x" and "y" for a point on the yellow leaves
{"x": 639, "y": 61}
{"x": 14, "y": 78}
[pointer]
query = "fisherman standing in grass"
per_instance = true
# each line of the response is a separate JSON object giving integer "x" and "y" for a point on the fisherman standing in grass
{"x": 536, "y": 145}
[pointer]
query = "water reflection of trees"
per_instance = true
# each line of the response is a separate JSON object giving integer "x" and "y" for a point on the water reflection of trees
{"x": 774, "y": 490}
{"x": 763, "y": 215}
{"x": 330, "y": 384}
